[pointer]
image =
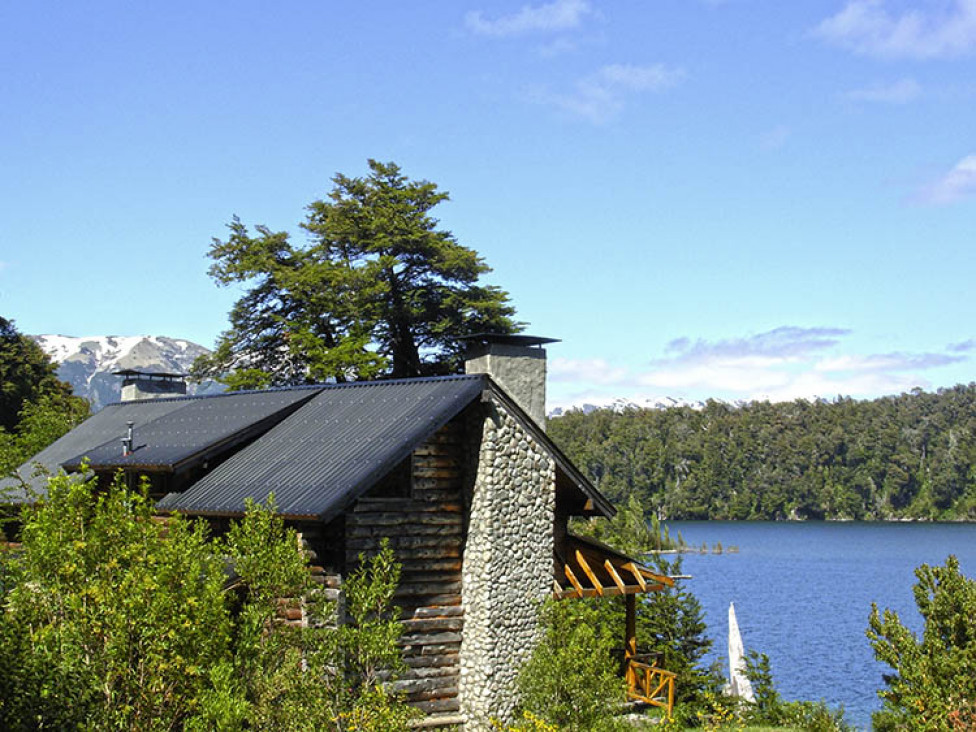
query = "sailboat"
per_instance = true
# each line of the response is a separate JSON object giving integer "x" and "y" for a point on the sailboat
{"x": 739, "y": 684}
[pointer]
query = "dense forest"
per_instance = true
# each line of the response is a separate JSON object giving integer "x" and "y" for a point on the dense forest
{"x": 911, "y": 456}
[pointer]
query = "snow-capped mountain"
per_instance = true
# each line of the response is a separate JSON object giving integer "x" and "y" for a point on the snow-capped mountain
{"x": 87, "y": 363}
{"x": 619, "y": 404}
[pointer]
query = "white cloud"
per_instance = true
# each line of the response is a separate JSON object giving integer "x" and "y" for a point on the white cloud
{"x": 963, "y": 346}
{"x": 557, "y": 47}
{"x": 560, "y": 15}
{"x": 781, "y": 364}
{"x": 638, "y": 78}
{"x": 813, "y": 385}
{"x": 930, "y": 29}
{"x": 898, "y": 92}
{"x": 785, "y": 342}
{"x": 725, "y": 376}
{"x": 884, "y": 362}
{"x": 601, "y": 96}
{"x": 956, "y": 185}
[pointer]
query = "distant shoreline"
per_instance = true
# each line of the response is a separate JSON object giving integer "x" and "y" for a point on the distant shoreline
{"x": 825, "y": 521}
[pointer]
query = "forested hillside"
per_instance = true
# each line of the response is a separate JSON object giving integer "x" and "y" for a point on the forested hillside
{"x": 910, "y": 456}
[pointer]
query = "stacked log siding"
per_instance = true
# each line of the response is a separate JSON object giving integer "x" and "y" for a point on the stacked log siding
{"x": 426, "y": 532}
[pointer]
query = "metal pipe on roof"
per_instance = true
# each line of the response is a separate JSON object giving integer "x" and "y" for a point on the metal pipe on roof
{"x": 127, "y": 440}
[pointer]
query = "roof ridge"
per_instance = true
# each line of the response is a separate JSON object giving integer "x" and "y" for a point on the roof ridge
{"x": 303, "y": 387}
{"x": 405, "y": 380}
{"x": 194, "y": 397}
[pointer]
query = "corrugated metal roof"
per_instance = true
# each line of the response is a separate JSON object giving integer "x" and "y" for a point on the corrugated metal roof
{"x": 195, "y": 431}
{"x": 317, "y": 460}
{"x": 172, "y": 429}
{"x": 321, "y": 457}
{"x": 107, "y": 424}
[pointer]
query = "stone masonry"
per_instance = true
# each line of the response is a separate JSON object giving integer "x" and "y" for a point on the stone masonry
{"x": 507, "y": 570}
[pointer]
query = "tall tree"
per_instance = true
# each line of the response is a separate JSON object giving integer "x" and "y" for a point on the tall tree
{"x": 378, "y": 290}
{"x": 26, "y": 374}
{"x": 41, "y": 423}
{"x": 36, "y": 407}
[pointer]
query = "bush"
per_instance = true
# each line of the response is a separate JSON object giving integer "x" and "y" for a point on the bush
{"x": 113, "y": 619}
{"x": 933, "y": 686}
{"x": 571, "y": 680}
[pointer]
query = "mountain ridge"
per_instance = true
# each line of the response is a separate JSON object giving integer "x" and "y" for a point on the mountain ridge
{"x": 622, "y": 404}
{"x": 88, "y": 362}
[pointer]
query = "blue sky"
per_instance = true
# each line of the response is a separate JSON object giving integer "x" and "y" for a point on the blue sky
{"x": 701, "y": 198}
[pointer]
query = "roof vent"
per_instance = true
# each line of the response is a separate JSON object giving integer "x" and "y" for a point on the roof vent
{"x": 150, "y": 384}
{"x": 127, "y": 440}
{"x": 517, "y": 363}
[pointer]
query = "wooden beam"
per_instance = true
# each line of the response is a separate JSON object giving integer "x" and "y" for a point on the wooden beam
{"x": 589, "y": 572}
{"x": 607, "y": 592}
{"x": 573, "y": 581}
{"x": 654, "y": 577}
{"x": 634, "y": 570}
{"x": 616, "y": 577}
{"x": 562, "y": 594}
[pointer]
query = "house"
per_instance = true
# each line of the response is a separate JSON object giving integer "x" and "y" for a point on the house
{"x": 456, "y": 471}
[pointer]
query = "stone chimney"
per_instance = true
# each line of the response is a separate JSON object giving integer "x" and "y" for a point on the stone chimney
{"x": 517, "y": 363}
{"x": 150, "y": 384}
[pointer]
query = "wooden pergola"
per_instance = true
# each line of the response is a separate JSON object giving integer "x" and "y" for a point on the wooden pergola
{"x": 588, "y": 568}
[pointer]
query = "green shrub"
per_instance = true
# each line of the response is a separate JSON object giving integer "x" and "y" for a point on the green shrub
{"x": 572, "y": 680}
{"x": 933, "y": 686}
{"x": 112, "y": 619}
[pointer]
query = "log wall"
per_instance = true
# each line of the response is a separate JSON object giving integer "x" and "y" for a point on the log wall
{"x": 426, "y": 531}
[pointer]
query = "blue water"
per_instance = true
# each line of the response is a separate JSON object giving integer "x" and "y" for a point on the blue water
{"x": 803, "y": 592}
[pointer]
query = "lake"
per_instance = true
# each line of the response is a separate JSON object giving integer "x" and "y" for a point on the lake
{"x": 803, "y": 592}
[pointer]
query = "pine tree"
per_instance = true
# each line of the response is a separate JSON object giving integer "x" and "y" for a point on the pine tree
{"x": 26, "y": 374}
{"x": 379, "y": 290}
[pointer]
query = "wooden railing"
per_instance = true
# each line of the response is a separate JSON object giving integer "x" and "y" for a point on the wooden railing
{"x": 650, "y": 684}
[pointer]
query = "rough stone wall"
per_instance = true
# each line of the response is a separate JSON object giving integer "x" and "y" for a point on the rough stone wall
{"x": 507, "y": 569}
{"x": 520, "y": 371}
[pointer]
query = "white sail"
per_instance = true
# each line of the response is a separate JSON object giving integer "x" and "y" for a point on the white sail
{"x": 739, "y": 684}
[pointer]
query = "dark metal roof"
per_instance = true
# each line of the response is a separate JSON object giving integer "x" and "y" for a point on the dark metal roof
{"x": 322, "y": 457}
{"x": 107, "y": 424}
{"x": 199, "y": 429}
{"x": 318, "y": 448}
